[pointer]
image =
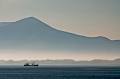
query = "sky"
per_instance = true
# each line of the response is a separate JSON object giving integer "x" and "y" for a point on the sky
{"x": 84, "y": 17}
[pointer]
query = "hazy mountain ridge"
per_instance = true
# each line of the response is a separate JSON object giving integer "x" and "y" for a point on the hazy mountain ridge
{"x": 62, "y": 62}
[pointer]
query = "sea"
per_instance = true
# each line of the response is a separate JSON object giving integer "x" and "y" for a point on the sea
{"x": 59, "y": 72}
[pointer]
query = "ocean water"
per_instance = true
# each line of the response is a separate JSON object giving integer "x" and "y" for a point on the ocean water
{"x": 59, "y": 72}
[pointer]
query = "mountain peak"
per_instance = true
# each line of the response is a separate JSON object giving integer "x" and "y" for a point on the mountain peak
{"x": 31, "y": 19}
{"x": 31, "y": 22}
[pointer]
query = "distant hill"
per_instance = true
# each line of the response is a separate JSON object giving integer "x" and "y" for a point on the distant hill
{"x": 66, "y": 62}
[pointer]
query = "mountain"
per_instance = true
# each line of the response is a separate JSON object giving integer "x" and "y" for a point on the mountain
{"x": 32, "y": 34}
{"x": 4, "y": 23}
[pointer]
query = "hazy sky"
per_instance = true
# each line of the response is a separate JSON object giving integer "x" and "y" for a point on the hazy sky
{"x": 84, "y": 17}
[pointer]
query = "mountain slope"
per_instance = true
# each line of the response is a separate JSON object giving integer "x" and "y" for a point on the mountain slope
{"x": 4, "y": 23}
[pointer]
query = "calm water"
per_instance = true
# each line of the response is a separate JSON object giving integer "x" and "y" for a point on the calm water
{"x": 59, "y": 72}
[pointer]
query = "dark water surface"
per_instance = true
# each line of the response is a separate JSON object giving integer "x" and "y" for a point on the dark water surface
{"x": 59, "y": 72}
